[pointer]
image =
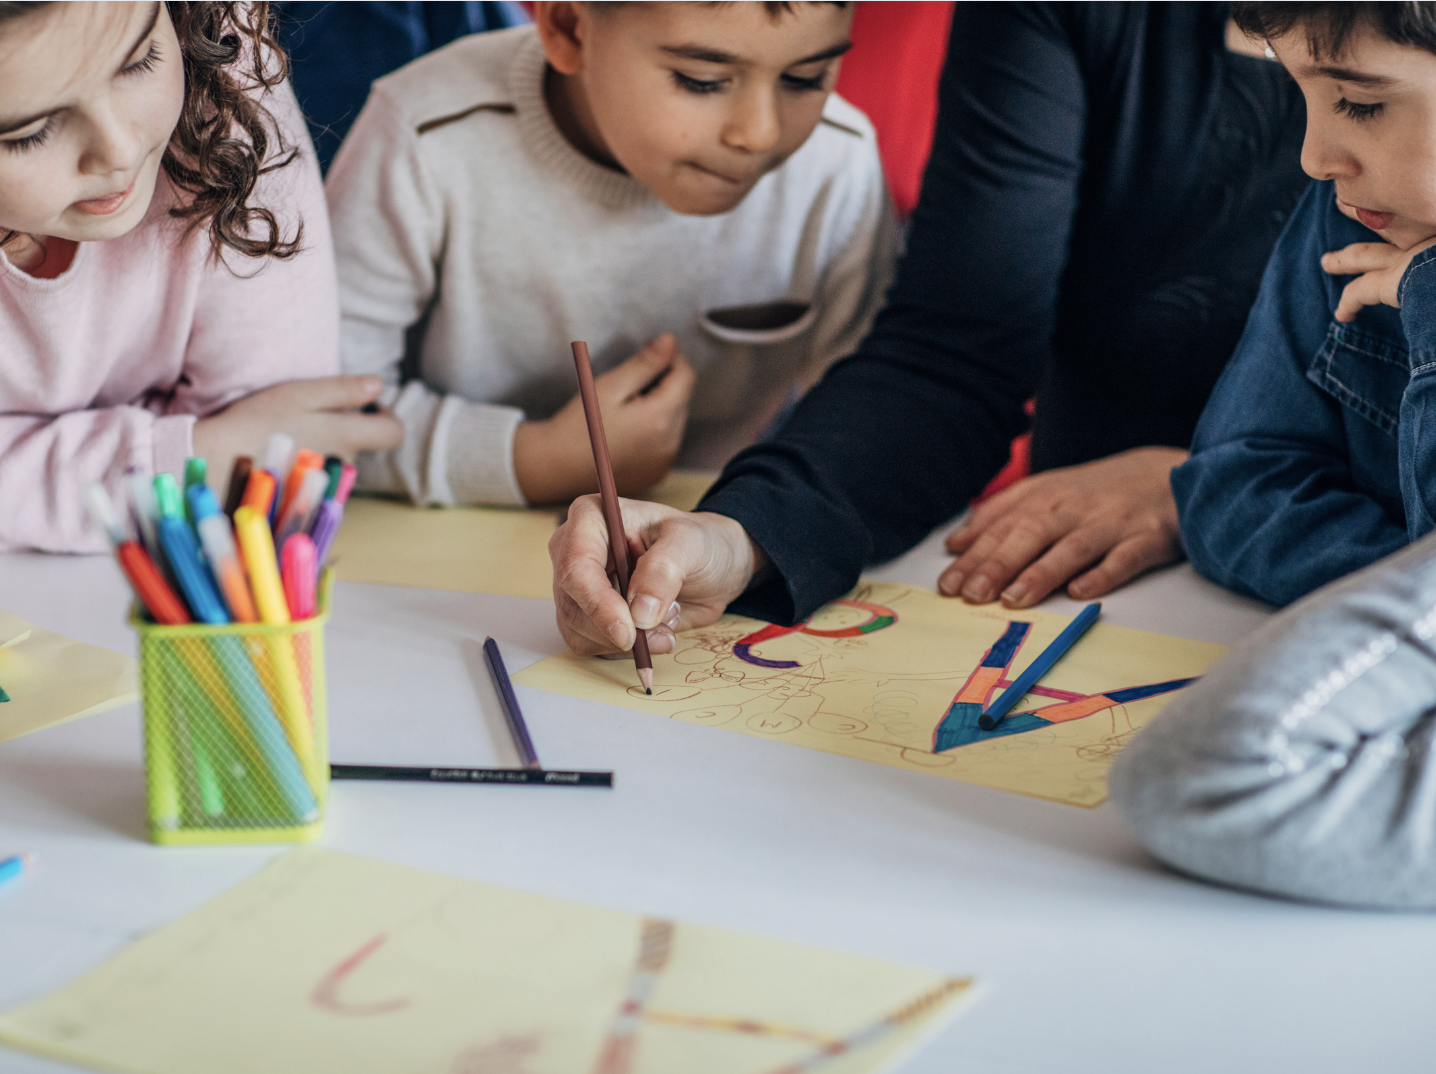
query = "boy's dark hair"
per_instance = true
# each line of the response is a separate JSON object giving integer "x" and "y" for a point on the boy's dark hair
{"x": 1330, "y": 26}
{"x": 225, "y": 139}
{"x": 775, "y": 9}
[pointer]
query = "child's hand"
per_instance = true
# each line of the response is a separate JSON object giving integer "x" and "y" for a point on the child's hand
{"x": 321, "y": 414}
{"x": 553, "y": 459}
{"x": 1378, "y": 267}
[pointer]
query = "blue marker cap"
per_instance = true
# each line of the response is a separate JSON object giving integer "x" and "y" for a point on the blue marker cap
{"x": 202, "y": 502}
{"x": 193, "y": 576}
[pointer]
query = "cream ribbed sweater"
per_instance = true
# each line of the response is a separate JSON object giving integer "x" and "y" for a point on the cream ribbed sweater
{"x": 474, "y": 242}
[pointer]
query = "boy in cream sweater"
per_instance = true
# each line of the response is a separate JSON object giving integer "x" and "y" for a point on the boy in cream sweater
{"x": 674, "y": 183}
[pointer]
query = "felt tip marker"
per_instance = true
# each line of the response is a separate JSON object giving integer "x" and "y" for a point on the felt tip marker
{"x": 182, "y": 550}
{"x": 143, "y": 508}
{"x": 305, "y": 462}
{"x": 333, "y": 466}
{"x": 259, "y": 493}
{"x": 347, "y": 476}
{"x": 257, "y": 545}
{"x": 102, "y": 511}
{"x": 277, "y": 454}
{"x": 238, "y": 479}
{"x": 297, "y": 568}
{"x": 299, "y": 513}
{"x": 326, "y": 525}
{"x": 150, "y": 586}
{"x": 219, "y": 548}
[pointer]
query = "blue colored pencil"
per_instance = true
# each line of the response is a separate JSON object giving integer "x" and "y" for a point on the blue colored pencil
{"x": 512, "y": 713}
{"x": 999, "y": 706}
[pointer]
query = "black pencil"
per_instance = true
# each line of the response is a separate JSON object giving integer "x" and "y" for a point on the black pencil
{"x": 533, "y": 777}
{"x": 517, "y": 728}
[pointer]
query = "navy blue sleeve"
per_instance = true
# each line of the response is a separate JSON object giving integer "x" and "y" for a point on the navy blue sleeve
{"x": 1417, "y": 295}
{"x": 1284, "y": 489}
{"x": 899, "y": 437}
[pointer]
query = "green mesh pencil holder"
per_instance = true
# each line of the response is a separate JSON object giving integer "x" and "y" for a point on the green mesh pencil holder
{"x": 236, "y": 749}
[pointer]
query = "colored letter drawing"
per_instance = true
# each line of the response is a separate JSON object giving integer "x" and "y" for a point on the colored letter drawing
{"x": 897, "y": 675}
{"x": 329, "y": 962}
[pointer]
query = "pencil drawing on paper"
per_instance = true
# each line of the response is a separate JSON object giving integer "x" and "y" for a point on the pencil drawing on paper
{"x": 898, "y": 675}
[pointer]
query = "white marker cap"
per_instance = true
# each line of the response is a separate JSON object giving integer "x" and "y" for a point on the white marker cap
{"x": 102, "y": 510}
{"x": 278, "y": 453}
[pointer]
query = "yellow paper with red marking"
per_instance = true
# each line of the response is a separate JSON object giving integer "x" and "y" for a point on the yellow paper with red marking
{"x": 329, "y": 962}
{"x": 897, "y": 675}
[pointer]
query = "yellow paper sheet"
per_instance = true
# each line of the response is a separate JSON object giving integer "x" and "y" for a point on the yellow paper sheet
{"x": 884, "y": 691}
{"x": 51, "y": 678}
{"x": 496, "y": 550}
{"x": 13, "y": 629}
{"x": 326, "y": 962}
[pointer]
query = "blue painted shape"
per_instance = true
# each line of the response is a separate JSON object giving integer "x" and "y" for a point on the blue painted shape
{"x": 1005, "y": 647}
{"x": 960, "y": 727}
{"x": 1136, "y": 693}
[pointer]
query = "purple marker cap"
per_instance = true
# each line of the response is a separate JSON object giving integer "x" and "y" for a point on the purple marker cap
{"x": 326, "y": 525}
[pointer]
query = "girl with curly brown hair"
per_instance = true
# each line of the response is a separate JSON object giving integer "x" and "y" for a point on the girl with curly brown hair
{"x": 165, "y": 258}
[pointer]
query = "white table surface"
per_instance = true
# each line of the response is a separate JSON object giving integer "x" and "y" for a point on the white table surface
{"x": 1095, "y": 958}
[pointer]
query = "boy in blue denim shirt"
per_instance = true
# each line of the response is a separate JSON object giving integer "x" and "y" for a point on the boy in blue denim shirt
{"x": 1304, "y": 763}
{"x": 1316, "y": 455}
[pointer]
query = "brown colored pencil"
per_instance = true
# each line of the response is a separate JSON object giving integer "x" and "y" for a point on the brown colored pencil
{"x": 609, "y": 491}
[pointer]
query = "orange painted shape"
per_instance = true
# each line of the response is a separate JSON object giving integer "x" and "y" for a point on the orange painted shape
{"x": 982, "y": 682}
{"x": 1074, "y": 710}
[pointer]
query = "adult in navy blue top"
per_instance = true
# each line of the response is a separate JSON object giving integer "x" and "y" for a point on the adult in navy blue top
{"x": 1105, "y": 186}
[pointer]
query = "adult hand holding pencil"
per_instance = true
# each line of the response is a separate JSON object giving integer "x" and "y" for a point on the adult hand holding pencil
{"x": 613, "y": 515}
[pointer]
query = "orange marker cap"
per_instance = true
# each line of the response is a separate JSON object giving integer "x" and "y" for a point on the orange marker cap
{"x": 304, "y": 461}
{"x": 259, "y": 493}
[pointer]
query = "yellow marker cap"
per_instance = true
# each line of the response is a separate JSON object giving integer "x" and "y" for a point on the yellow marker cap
{"x": 256, "y": 544}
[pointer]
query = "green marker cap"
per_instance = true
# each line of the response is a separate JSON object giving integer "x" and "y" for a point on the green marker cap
{"x": 334, "y": 467}
{"x": 167, "y": 493}
{"x": 194, "y": 471}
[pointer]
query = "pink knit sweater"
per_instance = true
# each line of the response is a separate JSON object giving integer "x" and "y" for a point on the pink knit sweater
{"x": 107, "y": 365}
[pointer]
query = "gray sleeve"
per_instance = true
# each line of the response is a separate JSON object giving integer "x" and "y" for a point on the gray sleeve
{"x": 1301, "y": 765}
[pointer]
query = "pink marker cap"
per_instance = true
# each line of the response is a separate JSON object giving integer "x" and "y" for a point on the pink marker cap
{"x": 297, "y": 568}
{"x": 347, "y": 477}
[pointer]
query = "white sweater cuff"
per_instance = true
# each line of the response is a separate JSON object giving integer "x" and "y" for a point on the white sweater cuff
{"x": 478, "y": 441}
{"x": 455, "y": 453}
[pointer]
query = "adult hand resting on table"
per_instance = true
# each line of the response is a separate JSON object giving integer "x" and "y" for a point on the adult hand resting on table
{"x": 692, "y": 566}
{"x": 1103, "y": 522}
